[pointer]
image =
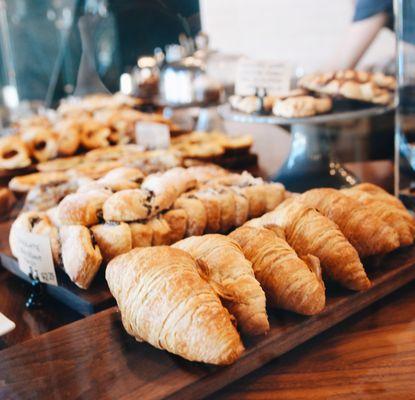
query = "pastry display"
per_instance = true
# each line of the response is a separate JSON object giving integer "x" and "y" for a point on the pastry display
{"x": 162, "y": 286}
{"x": 356, "y": 85}
{"x": 232, "y": 277}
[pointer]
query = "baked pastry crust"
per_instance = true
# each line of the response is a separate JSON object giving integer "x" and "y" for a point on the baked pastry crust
{"x": 42, "y": 142}
{"x": 59, "y": 164}
{"x": 94, "y": 135}
{"x": 26, "y": 182}
{"x": 141, "y": 234}
{"x": 212, "y": 208}
{"x": 13, "y": 153}
{"x": 181, "y": 313}
{"x": 196, "y": 215}
{"x": 161, "y": 231}
{"x": 37, "y": 223}
{"x": 125, "y": 173}
{"x": 81, "y": 257}
{"x": 112, "y": 239}
{"x": 231, "y": 275}
{"x": 68, "y": 136}
{"x": 177, "y": 221}
{"x": 309, "y": 232}
{"x": 128, "y": 205}
{"x": 368, "y": 234}
{"x": 82, "y": 208}
{"x": 288, "y": 281}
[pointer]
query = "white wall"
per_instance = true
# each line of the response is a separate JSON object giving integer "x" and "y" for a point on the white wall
{"x": 303, "y": 32}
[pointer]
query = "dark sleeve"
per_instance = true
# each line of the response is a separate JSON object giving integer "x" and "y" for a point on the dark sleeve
{"x": 367, "y": 8}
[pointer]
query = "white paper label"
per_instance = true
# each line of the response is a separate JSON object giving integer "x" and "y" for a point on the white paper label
{"x": 251, "y": 75}
{"x": 152, "y": 135}
{"x": 35, "y": 256}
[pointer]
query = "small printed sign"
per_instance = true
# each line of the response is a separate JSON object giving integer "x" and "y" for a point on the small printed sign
{"x": 35, "y": 256}
{"x": 252, "y": 75}
{"x": 152, "y": 135}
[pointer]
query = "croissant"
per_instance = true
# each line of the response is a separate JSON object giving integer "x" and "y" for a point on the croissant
{"x": 233, "y": 278}
{"x": 400, "y": 220}
{"x": 164, "y": 301}
{"x": 288, "y": 281}
{"x": 365, "y": 231}
{"x": 380, "y": 194}
{"x": 309, "y": 232}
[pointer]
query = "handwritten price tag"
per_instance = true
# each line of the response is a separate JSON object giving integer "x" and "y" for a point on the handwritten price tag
{"x": 152, "y": 135}
{"x": 272, "y": 76}
{"x": 35, "y": 257}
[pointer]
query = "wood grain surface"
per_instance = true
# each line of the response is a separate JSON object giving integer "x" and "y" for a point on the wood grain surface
{"x": 95, "y": 358}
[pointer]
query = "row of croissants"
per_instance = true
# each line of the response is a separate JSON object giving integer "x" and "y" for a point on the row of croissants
{"x": 196, "y": 297}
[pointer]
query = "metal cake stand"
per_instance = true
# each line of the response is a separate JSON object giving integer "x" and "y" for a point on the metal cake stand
{"x": 312, "y": 161}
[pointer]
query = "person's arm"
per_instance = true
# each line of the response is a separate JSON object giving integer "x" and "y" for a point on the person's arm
{"x": 358, "y": 38}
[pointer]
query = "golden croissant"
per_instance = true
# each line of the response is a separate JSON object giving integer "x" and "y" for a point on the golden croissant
{"x": 309, "y": 232}
{"x": 387, "y": 207}
{"x": 164, "y": 301}
{"x": 288, "y": 281}
{"x": 231, "y": 275}
{"x": 365, "y": 231}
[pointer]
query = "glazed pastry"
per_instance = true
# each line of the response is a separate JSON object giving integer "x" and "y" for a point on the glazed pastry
{"x": 42, "y": 143}
{"x": 81, "y": 257}
{"x": 196, "y": 215}
{"x": 59, "y": 164}
{"x": 400, "y": 220}
{"x": 367, "y": 233}
{"x": 13, "y": 153}
{"x": 288, "y": 281}
{"x": 128, "y": 205}
{"x": 94, "y": 135}
{"x": 82, "y": 208}
{"x": 309, "y": 232}
{"x": 68, "y": 136}
{"x": 177, "y": 221}
{"x": 161, "y": 231}
{"x": 141, "y": 234}
{"x": 26, "y": 182}
{"x": 231, "y": 275}
{"x": 37, "y": 223}
{"x": 164, "y": 301}
{"x": 112, "y": 239}
{"x": 125, "y": 173}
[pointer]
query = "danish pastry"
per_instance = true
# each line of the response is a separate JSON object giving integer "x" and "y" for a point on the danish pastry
{"x": 42, "y": 143}
{"x": 81, "y": 257}
{"x": 82, "y": 208}
{"x": 112, "y": 239}
{"x": 128, "y": 205}
{"x": 13, "y": 153}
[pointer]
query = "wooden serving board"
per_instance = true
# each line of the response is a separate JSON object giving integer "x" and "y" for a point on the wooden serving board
{"x": 95, "y": 358}
{"x": 86, "y": 302}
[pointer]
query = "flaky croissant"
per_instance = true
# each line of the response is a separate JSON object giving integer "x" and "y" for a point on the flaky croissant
{"x": 399, "y": 219}
{"x": 288, "y": 281}
{"x": 232, "y": 276}
{"x": 309, "y": 232}
{"x": 164, "y": 301}
{"x": 365, "y": 231}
